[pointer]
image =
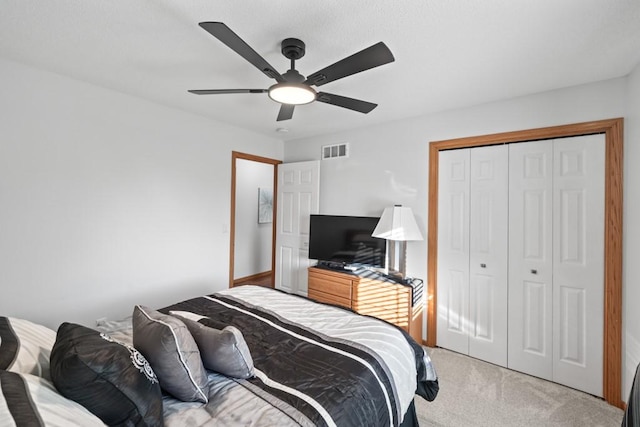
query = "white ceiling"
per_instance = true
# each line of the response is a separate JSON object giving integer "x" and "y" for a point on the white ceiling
{"x": 449, "y": 53}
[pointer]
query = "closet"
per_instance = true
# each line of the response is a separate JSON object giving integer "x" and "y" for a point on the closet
{"x": 520, "y": 267}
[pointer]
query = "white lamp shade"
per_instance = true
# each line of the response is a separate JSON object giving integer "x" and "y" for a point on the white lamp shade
{"x": 397, "y": 223}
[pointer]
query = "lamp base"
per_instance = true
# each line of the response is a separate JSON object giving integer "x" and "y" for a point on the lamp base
{"x": 397, "y": 258}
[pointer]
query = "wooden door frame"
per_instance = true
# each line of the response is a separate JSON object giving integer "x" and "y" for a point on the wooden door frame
{"x": 235, "y": 155}
{"x": 613, "y": 130}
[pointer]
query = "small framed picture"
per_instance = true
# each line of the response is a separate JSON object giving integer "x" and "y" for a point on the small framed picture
{"x": 265, "y": 205}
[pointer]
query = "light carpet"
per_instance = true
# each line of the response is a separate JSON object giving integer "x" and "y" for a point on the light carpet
{"x": 476, "y": 393}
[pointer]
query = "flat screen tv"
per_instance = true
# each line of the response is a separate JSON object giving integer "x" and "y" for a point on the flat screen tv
{"x": 346, "y": 241}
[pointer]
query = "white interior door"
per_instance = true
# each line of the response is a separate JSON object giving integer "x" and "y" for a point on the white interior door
{"x": 453, "y": 250}
{"x": 578, "y": 266}
{"x": 488, "y": 257}
{"x": 530, "y": 258}
{"x": 298, "y": 198}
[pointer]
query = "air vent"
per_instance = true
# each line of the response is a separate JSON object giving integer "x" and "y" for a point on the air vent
{"x": 335, "y": 151}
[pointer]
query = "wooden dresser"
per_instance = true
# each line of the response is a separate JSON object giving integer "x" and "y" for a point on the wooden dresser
{"x": 369, "y": 294}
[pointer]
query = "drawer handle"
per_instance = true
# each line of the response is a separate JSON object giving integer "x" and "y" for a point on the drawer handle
{"x": 483, "y": 265}
{"x": 534, "y": 271}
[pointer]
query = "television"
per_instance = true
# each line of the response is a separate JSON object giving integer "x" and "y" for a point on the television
{"x": 345, "y": 241}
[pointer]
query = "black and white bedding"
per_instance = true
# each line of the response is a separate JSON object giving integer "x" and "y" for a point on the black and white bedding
{"x": 311, "y": 364}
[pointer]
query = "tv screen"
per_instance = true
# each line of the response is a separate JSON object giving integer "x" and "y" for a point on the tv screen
{"x": 346, "y": 240}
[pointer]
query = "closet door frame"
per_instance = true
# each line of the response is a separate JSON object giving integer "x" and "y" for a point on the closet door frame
{"x": 613, "y": 130}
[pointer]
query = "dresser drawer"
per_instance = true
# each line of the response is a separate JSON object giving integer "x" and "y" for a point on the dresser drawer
{"x": 328, "y": 298}
{"x": 340, "y": 288}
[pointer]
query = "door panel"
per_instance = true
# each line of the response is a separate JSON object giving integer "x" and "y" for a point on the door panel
{"x": 488, "y": 233}
{"x": 285, "y": 262}
{"x": 483, "y": 321}
{"x": 453, "y": 250}
{"x": 534, "y": 303}
{"x": 530, "y": 258}
{"x": 284, "y": 265}
{"x": 456, "y": 303}
{"x": 578, "y": 271}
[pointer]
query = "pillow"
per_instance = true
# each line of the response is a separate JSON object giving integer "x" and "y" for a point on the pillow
{"x": 173, "y": 354}
{"x": 25, "y": 346}
{"x": 31, "y": 400}
{"x": 112, "y": 380}
{"x": 223, "y": 351}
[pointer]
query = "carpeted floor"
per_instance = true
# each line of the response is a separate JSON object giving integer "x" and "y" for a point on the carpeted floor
{"x": 475, "y": 393}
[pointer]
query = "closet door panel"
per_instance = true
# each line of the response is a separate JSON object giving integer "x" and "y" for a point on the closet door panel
{"x": 578, "y": 262}
{"x": 535, "y": 298}
{"x": 453, "y": 250}
{"x": 530, "y": 297}
{"x": 488, "y": 254}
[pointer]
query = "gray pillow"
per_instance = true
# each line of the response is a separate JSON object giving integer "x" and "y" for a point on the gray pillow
{"x": 224, "y": 351}
{"x": 172, "y": 353}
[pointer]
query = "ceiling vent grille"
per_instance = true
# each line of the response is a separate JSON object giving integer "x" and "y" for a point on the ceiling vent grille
{"x": 335, "y": 151}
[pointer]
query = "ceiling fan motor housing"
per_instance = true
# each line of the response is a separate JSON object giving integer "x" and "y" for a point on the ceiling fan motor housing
{"x": 293, "y": 48}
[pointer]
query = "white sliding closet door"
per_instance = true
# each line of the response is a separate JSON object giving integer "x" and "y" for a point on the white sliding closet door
{"x": 488, "y": 259}
{"x": 453, "y": 250}
{"x": 530, "y": 258}
{"x": 578, "y": 266}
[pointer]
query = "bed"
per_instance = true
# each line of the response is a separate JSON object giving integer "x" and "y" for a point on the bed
{"x": 294, "y": 362}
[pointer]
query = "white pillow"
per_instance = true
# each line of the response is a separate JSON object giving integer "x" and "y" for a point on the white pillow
{"x": 25, "y": 347}
{"x": 30, "y": 400}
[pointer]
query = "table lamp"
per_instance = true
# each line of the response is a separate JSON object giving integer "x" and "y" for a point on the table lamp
{"x": 397, "y": 225}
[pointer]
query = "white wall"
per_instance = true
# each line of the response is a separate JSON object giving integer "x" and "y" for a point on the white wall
{"x": 252, "y": 253}
{"x": 389, "y": 164}
{"x": 107, "y": 200}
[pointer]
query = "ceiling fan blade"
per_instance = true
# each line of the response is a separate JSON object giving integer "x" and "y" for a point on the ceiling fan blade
{"x": 373, "y": 56}
{"x": 223, "y": 91}
{"x": 286, "y": 112}
{"x": 233, "y": 41}
{"x": 344, "y": 102}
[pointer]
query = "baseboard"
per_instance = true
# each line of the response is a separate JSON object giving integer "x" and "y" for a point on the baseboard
{"x": 258, "y": 278}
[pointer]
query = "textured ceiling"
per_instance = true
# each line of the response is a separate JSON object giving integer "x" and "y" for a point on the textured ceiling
{"x": 449, "y": 53}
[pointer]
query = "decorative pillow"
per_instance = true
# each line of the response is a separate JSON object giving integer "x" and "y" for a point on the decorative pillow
{"x": 173, "y": 354}
{"x": 223, "y": 351}
{"x": 28, "y": 400}
{"x": 25, "y": 346}
{"x": 112, "y": 380}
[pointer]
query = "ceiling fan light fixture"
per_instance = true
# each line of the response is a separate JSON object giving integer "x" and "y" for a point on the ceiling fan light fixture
{"x": 292, "y": 93}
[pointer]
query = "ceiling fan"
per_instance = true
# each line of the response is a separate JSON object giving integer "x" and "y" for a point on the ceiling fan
{"x": 292, "y": 88}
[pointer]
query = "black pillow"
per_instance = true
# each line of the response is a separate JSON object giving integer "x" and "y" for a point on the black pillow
{"x": 112, "y": 380}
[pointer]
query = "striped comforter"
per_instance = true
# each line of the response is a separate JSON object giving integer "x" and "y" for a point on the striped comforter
{"x": 315, "y": 365}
